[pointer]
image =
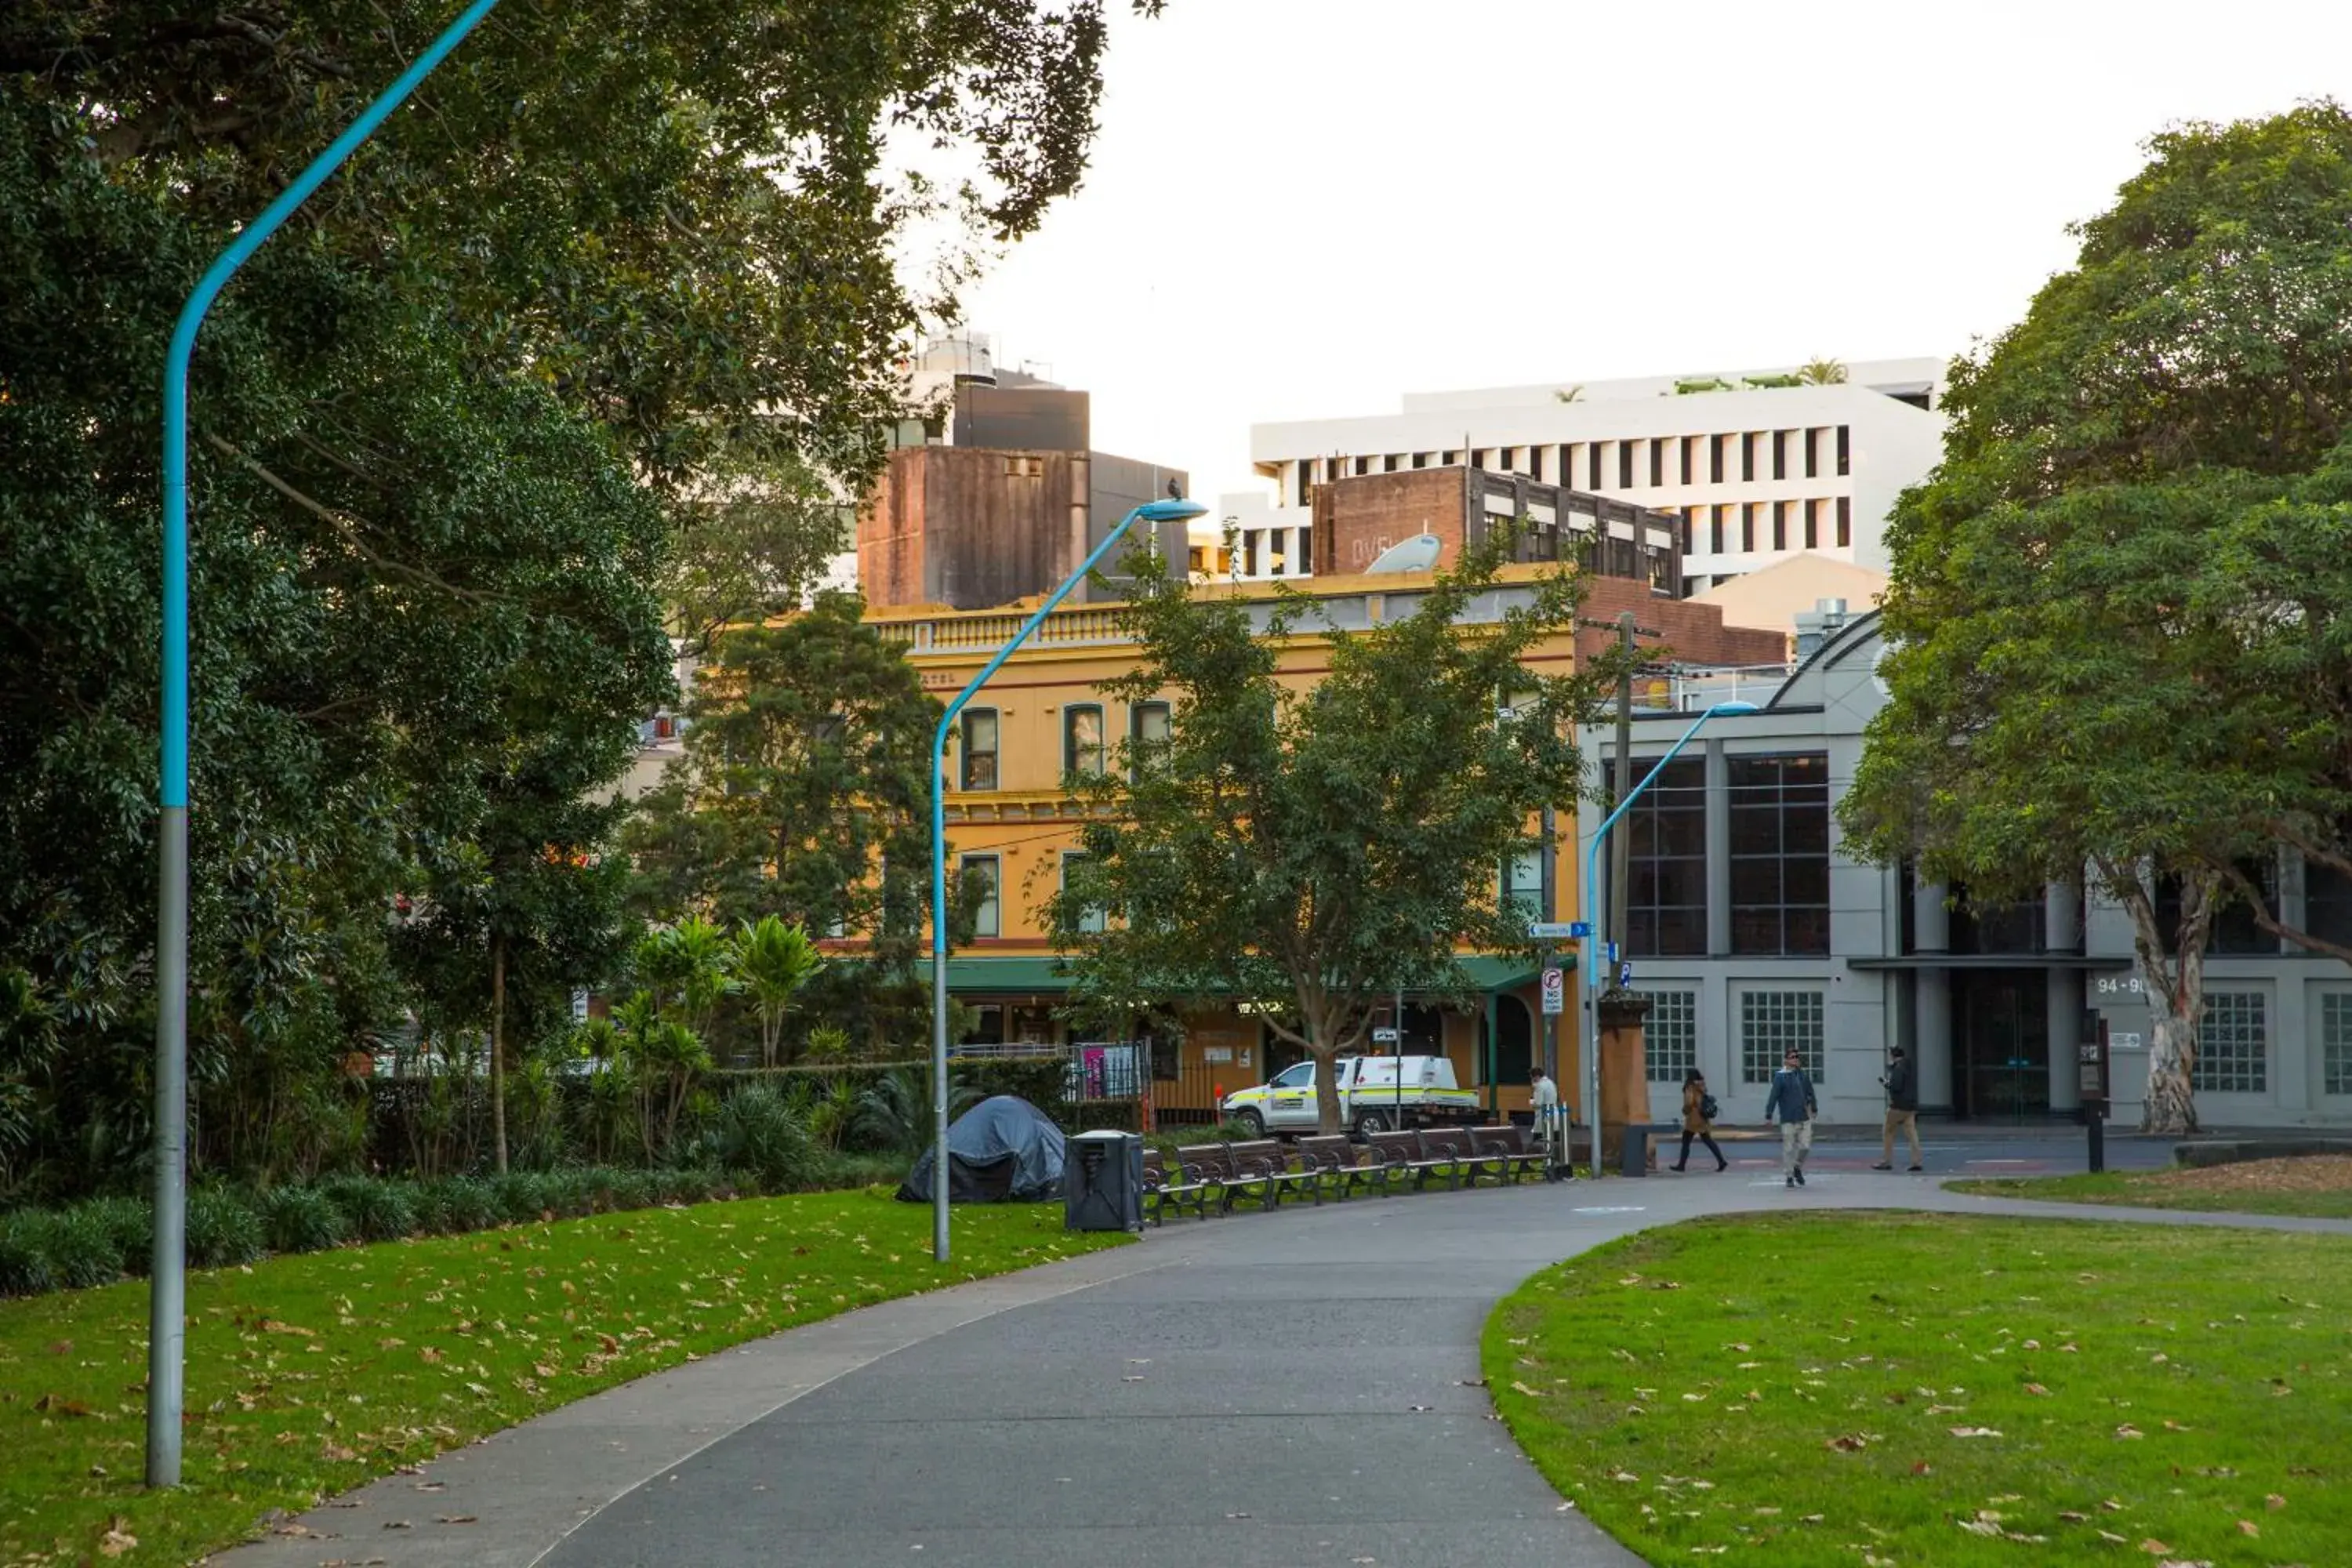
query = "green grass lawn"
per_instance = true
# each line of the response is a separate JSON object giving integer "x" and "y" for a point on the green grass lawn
{"x": 307, "y": 1375}
{"x": 2168, "y": 1190}
{"x": 1932, "y": 1391}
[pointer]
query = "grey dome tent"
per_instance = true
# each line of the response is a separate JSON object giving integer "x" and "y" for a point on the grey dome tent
{"x": 1003, "y": 1149}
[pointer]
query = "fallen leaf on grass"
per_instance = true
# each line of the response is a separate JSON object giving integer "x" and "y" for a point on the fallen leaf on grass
{"x": 272, "y": 1326}
{"x": 2036, "y": 1388}
{"x": 2154, "y": 1548}
{"x": 117, "y": 1539}
{"x": 1523, "y": 1388}
{"x": 1851, "y": 1443}
{"x": 2275, "y": 1502}
{"x": 336, "y": 1454}
{"x": 63, "y": 1347}
{"x": 2248, "y": 1527}
{"x": 1922, "y": 1468}
{"x": 58, "y": 1405}
{"x": 457, "y": 1519}
{"x": 1624, "y": 1476}
{"x": 2128, "y": 1430}
{"x": 1974, "y": 1432}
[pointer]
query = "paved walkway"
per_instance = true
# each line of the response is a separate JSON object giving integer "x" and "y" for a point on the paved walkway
{"x": 1258, "y": 1391}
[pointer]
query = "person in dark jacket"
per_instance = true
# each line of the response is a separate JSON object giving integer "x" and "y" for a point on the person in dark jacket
{"x": 1695, "y": 1122}
{"x": 1902, "y": 1110}
{"x": 1791, "y": 1103}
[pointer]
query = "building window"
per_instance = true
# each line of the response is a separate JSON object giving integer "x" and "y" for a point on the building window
{"x": 1146, "y": 733}
{"x": 1845, "y": 448}
{"x": 2232, "y": 1045}
{"x": 1814, "y": 454}
{"x": 979, "y": 748}
{"x": 1082, "y": 740}
{"x": 1388, "y": 463}
{"x": 2326, "y": 902}
{"x": 1845, "y": 522}
{"x": 1780, "y": 854}
{"x": 1780, "y": 454}
{"x": 1748, "y": 526}
{"x": 1535, "y": 464}
{"x": 1670, "y": 1035}
{"x": 1714, "y": 459}
{"x": 983, "y": 869}
{"x": 1305, "y": 486}
{"x": 1690, "y": 459}
{"x": 1715, "y": 529}
{"x": 1665, "y": 906}
{"x": 1774, "y": 1022}
{"x": 1522, "y": 884}
{"x": 1657, "y": 463}
{"x": 1592, "y": 464}
{"x": 1447, "y": 459}
{"x": 1421, "y": 459}
{"x": 1624, "y": 465}
{"x": 1478, "y": 458}
{"x": 1090, "y": 918}
{"x": 2233, "y": 930}
{"x": 1363, "y": 465}
{"x": 1748, "y": 455}
{"x": 1780, "y": 525}
{"x": 2336, "y": 1043}
{"x": 1813, "y": 524}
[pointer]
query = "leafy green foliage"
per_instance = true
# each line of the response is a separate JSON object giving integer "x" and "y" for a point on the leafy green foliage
{"x": 1319, "y": 849}
{"x": 772, "y": 961}
{"x": 598, "y": 316}
{"x": 762, "y": 1135}
{"x": 223, "y": 1229}
{"x": 893, "y": 1112}
{"x": 301, "y": 1219}
{"x": 2102, "y": 655}
{"x": 807, "y": 764}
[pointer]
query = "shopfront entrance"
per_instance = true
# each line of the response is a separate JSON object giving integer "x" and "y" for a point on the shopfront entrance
{"x": 2001, "y": 1045}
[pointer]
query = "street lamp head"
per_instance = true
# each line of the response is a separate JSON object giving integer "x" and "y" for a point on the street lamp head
{"x": 1171, "y": 511}
{"x": 1721, "y": 709}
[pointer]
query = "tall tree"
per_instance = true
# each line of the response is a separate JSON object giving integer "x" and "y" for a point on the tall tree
{"x": 1318, "y": 848}
{"x": 804, "y": 794}
{"x": 613, "y": 282}
{"x": 2103, "y": 660}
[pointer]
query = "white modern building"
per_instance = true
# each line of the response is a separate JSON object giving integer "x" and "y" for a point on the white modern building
{"x": 1759, "y": 465}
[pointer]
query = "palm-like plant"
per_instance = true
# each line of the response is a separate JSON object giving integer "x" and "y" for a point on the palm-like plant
{"x": 772, "y": 961}
{"x": 686, "y": 966}
{"x": 1822, "y": 373}
{"x": 893, "y": 1112}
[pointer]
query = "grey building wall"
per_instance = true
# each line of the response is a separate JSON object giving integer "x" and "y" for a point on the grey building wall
{"x": 1824, "y": 706}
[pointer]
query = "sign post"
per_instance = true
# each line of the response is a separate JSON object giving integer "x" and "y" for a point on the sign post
{"x": 2092, "y": 1085}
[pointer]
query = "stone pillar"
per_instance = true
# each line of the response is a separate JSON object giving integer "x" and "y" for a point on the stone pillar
{"x": 2062, "y": 920}
{"x": 1931, "y": 925}
{"x": 1624, "y": 1070}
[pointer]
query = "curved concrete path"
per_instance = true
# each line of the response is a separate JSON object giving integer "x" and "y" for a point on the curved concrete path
{"x": 1262, "y": 1390}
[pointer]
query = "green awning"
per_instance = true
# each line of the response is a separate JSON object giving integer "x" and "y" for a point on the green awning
{"x": 1023, "y": 975}
{"x": 1044, "y": 975}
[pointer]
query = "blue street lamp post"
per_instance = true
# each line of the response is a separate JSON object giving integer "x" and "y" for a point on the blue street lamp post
{"x": 1157, "y": 512}
{"x": 167, "y": 1294}
{"x": 1592, "y": 943}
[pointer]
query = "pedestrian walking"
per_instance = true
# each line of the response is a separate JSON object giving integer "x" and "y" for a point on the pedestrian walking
{"x": 1698, "y": 1119}
{"x": 1902, "y": 1084}
{"x": 1791, "y": 1103}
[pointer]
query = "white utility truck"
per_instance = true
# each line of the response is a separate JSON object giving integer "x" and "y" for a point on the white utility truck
{"x": 1370, "y": 1099}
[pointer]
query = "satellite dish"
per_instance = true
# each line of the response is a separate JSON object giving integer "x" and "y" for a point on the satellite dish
{"x": 1418, "y": 554}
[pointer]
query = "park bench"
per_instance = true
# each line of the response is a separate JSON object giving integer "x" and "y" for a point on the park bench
{"x": 1334, "y": 1157}
{"x": 1504, "y": 1154}
{"x": 1186, "y": 1187}
{"x": 1255, "y": 1168}
{"x": 1452, "y": 1143}
{"x": 1268, "y": 1162}
{"x": 1402, "y": 1152}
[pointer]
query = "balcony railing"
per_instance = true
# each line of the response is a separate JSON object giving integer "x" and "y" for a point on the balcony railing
{"x": 1692, "y": 690}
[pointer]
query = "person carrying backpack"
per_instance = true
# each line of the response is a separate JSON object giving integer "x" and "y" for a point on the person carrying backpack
{"x": 1794, "y": 1105}
{"x": 1698, "y": 1119}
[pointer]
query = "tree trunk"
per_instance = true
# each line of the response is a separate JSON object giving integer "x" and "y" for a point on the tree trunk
{"x": 2175, "y": 985}
{"x": 1327, "y": 1087}
{"x": 497, "y": 1048}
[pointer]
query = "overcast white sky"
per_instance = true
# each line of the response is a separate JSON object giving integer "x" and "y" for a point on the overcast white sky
{"x": 1303, "y": 208}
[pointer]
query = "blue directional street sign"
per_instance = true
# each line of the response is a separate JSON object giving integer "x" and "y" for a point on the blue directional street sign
{"x": 1579, "y": 928}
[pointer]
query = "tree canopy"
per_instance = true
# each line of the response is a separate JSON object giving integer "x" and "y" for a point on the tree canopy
{"x": 2111, "y": 647}
{"x": 576, "y": 340}
{"x": 1316, "y": 846}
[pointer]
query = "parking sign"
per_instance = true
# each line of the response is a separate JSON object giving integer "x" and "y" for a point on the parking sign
{"x": 1555, "y": 991}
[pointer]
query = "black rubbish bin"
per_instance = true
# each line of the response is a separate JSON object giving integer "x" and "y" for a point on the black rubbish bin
{"x": 1102, "y": 1182}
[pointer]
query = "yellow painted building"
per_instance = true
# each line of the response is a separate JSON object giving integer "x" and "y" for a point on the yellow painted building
{"x": 1042, "y": 717}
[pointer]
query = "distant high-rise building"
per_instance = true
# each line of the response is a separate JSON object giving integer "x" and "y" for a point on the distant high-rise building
{"x": 1757, "y": 466}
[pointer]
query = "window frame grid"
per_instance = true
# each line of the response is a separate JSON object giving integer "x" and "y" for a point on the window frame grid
{"x": 1070, "y": 716}
{"x": 995, "y": 752}
{"x": 988, "y": 919}
{"x": 1768, "y": 1024}
{"x": 2335, "y": 1042}
{"x": 1670, "y": 1035}
{"x": 2232, "y": 1044}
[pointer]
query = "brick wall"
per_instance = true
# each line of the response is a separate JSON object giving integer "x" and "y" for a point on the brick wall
{"x": 1691, "y": 632}
{"x": 1356, "y": 519}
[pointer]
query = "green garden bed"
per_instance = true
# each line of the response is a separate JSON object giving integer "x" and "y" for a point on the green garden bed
{"x": 309, "y": 1375}
{"x": 1880, "y": 1389}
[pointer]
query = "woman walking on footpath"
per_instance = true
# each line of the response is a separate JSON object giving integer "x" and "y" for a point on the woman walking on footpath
{"x": 1698, "y": 1120}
